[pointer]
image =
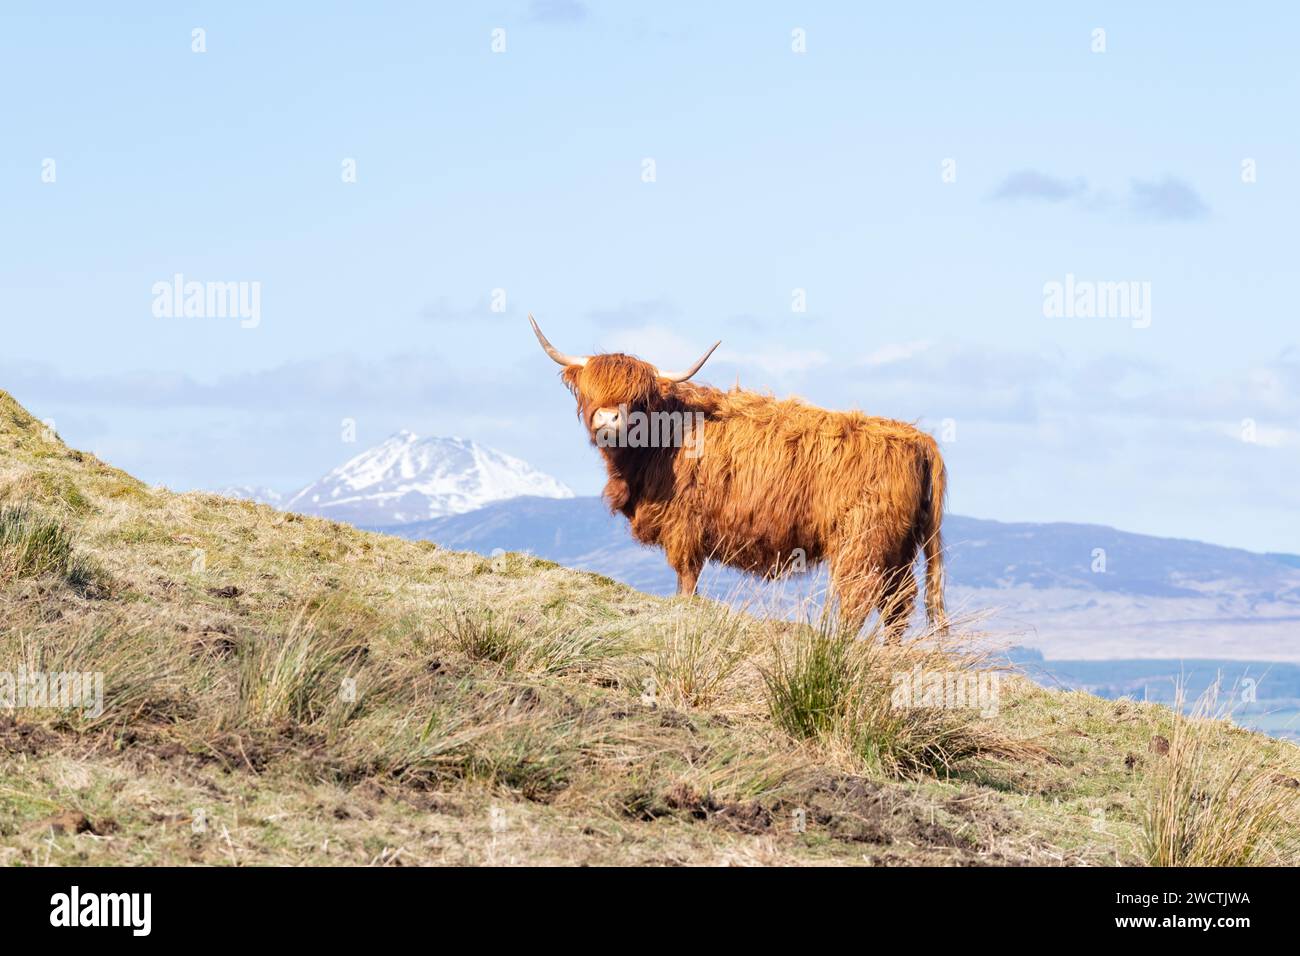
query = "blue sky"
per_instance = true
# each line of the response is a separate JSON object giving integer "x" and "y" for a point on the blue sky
{"x": 774, "y": 171}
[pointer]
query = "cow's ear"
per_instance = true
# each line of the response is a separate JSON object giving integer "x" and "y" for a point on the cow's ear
{"x": 570, "y": 377}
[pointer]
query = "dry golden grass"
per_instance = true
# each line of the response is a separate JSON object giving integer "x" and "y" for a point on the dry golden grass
{"x": 1205, "y": 809}
{"x": 278, "y": 689}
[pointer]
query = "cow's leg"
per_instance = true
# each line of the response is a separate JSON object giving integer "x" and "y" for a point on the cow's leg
{"x": 686, "y": 581}
{"x": 860, "y": 562}
{"x": 856, "y": 583}
{"x": 688, "y": 562}
{"x": 684, "y": 546}
{"x": 688, "y": 570}
{"x": 856, "y": 594}
{"x": 897, "y": 598}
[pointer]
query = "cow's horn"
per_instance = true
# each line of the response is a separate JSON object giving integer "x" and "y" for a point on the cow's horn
{"x": 683, "y": 376}
{"x": 559, "y": 357}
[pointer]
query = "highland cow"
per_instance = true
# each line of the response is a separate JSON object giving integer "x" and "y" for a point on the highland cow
{"x": 761, "y": 484}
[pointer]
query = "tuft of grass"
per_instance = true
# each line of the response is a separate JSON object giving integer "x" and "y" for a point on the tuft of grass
{"x": 533, "y": 756}
{"x": 699, "y": 655}
{"x": 1213, "y": 803}
{"x": 482, "y": 635}
{"x": 809, "y": 690}
{"x": 300, "y": 675}
{"x": 112, "y": 672}
{"x": 903, "y": 709}
{"x": 33, "y": 545}
{"x": 556, "y": 649}
{"x": 419, "y": 730}
{"x": 910, "y": 737}
{"x": 474, "y": 730}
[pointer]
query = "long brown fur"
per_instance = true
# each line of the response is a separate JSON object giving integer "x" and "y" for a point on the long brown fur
{"x": 777, "y": 479}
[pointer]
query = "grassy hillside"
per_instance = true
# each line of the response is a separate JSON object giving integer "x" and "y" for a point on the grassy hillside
{"x": 279, "y": 689}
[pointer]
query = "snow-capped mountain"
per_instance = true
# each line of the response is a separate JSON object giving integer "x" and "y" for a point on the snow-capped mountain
{"x": 263, "y": 496}
{"x": 408, "y": 478}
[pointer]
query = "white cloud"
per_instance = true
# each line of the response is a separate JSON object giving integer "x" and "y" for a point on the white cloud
{"x": 897, "y": 352}
{"x": 658, "y": 344}
{"x": 782, "y": 362}
{"x": 668, "y": 348}
{"x": 1264, "y": 434}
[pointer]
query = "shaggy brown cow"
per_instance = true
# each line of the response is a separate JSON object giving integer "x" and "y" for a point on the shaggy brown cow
{"x": 756, "y": 482}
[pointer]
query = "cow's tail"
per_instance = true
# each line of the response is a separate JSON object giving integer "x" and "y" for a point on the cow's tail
{"x": 930, "y": 524}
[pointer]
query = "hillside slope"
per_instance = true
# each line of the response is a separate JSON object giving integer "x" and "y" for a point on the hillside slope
{"x": 280, "y": 689}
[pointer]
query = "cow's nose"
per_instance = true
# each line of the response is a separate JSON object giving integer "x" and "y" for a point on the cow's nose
{"x": 605, "y": 418}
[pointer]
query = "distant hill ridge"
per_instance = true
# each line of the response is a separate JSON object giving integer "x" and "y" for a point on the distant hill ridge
{"x": 581, "y": 532}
